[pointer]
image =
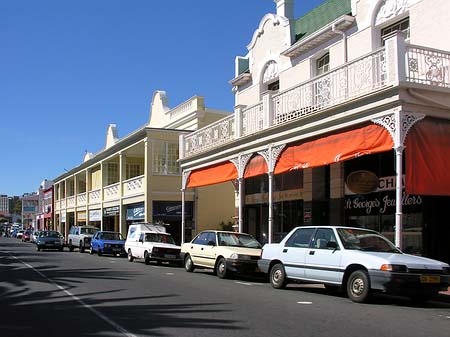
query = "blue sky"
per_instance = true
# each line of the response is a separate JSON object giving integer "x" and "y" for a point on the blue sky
{"x": 69, "y": 68}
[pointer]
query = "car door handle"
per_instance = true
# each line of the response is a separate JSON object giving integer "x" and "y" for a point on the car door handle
{"x": 312, "y": 252}
{"x": 285, "y": 250}
{"x": 192, "y": 247}
{"x": 201, "y": 248}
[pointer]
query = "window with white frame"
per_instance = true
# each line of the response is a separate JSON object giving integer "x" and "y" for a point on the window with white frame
{"x": 133, "y": 170}
{"x": 165, "y": 158}
{"x": 400, "y": 26}
{"x": 323, "y": 64}
{"x": 112, "y": 170}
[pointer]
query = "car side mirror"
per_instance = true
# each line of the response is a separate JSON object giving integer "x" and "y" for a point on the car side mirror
{"x": 211, "y": 243}
{"x": 332, "y": 245}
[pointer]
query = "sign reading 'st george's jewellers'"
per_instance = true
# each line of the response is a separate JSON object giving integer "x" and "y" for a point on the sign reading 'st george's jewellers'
{"x": 381, "y": 203}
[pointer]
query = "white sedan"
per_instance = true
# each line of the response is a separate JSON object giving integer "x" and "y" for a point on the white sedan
{"x": 358, "y": 260}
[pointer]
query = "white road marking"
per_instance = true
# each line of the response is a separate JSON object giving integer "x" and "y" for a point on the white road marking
{"x": 170, "y": 273}
{"x": 76, "y": 298}
{"x": 244, "y": 283}
{"x": 304, "y": 302}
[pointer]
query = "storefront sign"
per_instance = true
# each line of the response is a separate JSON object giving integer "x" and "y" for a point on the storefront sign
{"x": 263, "y": 198}
{"x": 111, "y": 211}
{"x": 63, "y": 217}
{"x": 307, "y": 215}
{"x": 383, "y": 183}
{"x": 136, "y": 212}
{"x": 95, "y": 215}
{"x": 362, "y": 182}
{"x": 381, "y": 203}
{"x": 171, "y": 208}
{"x": 81, "y": 216}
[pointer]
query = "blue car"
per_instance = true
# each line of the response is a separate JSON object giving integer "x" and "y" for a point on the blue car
{"x": 107, "y": 242}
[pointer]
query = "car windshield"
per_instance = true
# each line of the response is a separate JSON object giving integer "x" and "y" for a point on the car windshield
{"x": 49, "y": 234}
{"x": 88, "y": 230}
{"x": 237, "y": 240}
{"x": 112, "y": 236}
{"x": 156, "y": 237}
{"x": 365, "y": 240}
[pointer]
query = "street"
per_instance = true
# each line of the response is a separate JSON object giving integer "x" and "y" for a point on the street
{"x": 54, "y": 293}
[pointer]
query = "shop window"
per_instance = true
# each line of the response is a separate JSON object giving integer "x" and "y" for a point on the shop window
{"x": 400, "y": 26}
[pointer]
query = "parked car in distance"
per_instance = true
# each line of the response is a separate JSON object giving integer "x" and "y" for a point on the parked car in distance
{"x": 107, "y": 242}
{"x": 34, "y": 236}
{"x": 80, "y": 237}
{"x": 19, "y": 234}
{"x": 361, "y": 261}
{"x": 26, "y": 235}
{"x": 151, "y": 242}
{"x": 50, "y": 240}
{"x": 223, "y": 252}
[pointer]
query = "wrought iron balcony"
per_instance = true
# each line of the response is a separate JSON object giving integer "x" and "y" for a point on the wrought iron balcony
{"x": 387, "y": 67}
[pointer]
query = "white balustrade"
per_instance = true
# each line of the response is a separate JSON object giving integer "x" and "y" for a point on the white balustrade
{"x": 427, "y": 66}
{"x": 211, "y": 136}
{"x": 252, "y": 119}
{"x": 95, "y": 196}
{"x": 81, "y": 199}
{"x": 133, "y": 186}
{"x": 111, "y": 191}
{"x": 70, "y": 202}
{"x": 63, "y": 203}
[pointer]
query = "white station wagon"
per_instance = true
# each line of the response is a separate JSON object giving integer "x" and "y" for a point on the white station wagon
{"x": 358, "y": 260}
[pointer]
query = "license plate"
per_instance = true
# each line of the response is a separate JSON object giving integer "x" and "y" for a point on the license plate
{"x": 430, "y": 278}
{"x": 169, "y": 256}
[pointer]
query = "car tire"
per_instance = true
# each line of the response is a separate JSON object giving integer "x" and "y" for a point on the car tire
{"x": 358, "y": 286}
{"x": 81, "y": 247}
{"x": 130, "y": 256}
{"x": 146, "y": 258}
{"x": 70, "y": 246}
{"x": 221, "y": 268}
{"x": 278, "y": 278}
{"x": 38, "y": 248}
{"x": 99, "y": 252}
{"x": 189, "y": 264}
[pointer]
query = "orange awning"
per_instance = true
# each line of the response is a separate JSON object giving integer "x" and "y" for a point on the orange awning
{"x": 214, "y": 174}
{"x": 255, "y": 167}
{"x": 427, "y": 157}
{"x": 335, "y": 148}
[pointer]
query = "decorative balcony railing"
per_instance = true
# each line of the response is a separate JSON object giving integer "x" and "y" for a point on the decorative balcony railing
{"x": 63, "y": 203}
{"x": 213, "y": 135}
{"x": 111, "y": 191}
{"x": 81, "y": 199}
{"x": 133, "y": 186}
{"x": 95, "y": 196}
{"x": 70, "y": 201}
{"x": 428, "y": 66}
{"x": 252, "y": 119}
{"x": 354, "y": 79}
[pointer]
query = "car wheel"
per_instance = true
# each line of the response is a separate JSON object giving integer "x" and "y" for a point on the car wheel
{"x": 278, "y": 278}
{"x": 81, "y": 247}
{"x": 70, "y": 246}
{"x": 146, "y": 258}
{"x": 38, "y": 248}
{"x": 188, "y": 264}
{"x": 358, "y": 286}
{"x": 91, "y": 251}
{"x": 221, "y": 268}
{"x": 99, "y": 252}
{"x": 130, "y": 256}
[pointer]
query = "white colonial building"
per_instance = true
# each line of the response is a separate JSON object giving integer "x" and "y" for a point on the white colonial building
{"x": 342, "y": 116}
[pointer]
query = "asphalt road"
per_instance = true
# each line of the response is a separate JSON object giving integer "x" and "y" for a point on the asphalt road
{"x": 72, "y": 294}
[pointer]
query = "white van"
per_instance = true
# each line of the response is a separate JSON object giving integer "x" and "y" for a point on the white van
{"x": 151, "y": 242}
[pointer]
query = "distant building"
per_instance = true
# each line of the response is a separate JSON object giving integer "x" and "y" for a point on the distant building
{"x": 4, "y": 205}
{"x": 44, "y": 216}
{"x": 30, "y": 202}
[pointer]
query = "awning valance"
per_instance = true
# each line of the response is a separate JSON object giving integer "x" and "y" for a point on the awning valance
{"x": 255, "y": 167}
{"x": 335, "y": 148}
{"x": 214, "y": 174}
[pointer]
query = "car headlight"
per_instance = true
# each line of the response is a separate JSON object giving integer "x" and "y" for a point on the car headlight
{"x": 155, "y": 250}
{"x": 398, "y": 268}
{"x": 107, "y": 245}
{"x": 236, "y": 256}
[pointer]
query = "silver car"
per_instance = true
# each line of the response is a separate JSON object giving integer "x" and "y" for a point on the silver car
{"x": 357, "y": 260}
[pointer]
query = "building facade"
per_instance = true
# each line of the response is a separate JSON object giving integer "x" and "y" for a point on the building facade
{"x": 137, "y": 178}
{"x": 30, "y": 209}
{"x": 44, "y": 217}
{"x": 342, "y": 116}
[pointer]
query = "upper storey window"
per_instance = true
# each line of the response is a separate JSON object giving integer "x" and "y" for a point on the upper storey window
{"x": 323, "y": 64}
{"x": 400, "y": 26}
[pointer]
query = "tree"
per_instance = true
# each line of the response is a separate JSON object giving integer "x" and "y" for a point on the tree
{"x": 18, "y": 207}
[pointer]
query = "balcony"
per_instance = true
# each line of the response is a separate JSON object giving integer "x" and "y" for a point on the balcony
{"x": 384, "y": 68}
{"x": 133, "y": 186}
{"x": 111, "y": 192}
{"x": 95, "y": 196}
{"x": 81, "y": 199}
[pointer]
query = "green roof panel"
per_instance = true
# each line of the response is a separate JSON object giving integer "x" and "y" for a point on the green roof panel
{"x": 321, "y": 16}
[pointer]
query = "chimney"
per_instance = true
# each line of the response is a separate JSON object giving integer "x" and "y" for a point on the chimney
{"x": 285, "y": 8}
